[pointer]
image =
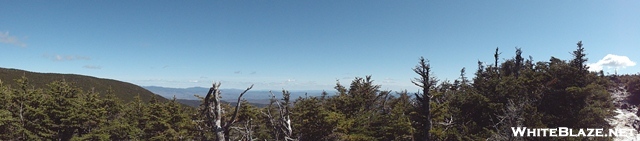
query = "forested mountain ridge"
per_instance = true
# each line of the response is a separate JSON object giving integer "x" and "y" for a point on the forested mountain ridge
{"x": 122, "y": 90}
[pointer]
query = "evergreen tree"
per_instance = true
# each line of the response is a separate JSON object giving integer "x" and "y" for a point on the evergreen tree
{"x": 311, "y": 119}
{"x": 157, "y": 127}
{"x": 135, "y": 114}
{"x": 92, "y": 118}
{"x": 117, "y": 125}
{"x": 63, "y": 108}
{"x": 9, "y": 126}
{"x": 423, "y": 117}
{"x": 395, "y": 124}
{"x": 26, "y": 107}
{"x": 180, "y": 120}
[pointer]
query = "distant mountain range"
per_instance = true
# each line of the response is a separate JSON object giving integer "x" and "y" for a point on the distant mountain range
{"x": 127, "y": 91}
{"x": 231, "y": 95}
{"x": 196, "y": 103}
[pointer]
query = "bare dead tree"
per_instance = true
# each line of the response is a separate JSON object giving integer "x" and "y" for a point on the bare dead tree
{"x": 214, "y": 113}
{"x": 512, "y": 117}
{"x": 246, "y": 131}
{"x": 282, "y": 125}
{"x": 248, "y": 127}
{"x": 272, "y": 121}
{"x": 447, "y": 123}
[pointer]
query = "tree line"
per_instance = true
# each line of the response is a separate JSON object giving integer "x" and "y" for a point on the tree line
{"x": 508, "y": 93}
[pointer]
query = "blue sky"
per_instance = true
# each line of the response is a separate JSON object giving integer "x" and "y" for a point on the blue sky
{"x": 305, "y": 45}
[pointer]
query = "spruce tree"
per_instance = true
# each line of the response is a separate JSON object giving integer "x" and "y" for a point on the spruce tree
{"x": 9, "y": 126}
{"x": 312, "y": 120}
{"x": 63, "y": 108}
{"x": 423, "y": 99}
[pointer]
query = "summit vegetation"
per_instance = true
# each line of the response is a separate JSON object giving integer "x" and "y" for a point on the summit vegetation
{"x": 483, "y": 106}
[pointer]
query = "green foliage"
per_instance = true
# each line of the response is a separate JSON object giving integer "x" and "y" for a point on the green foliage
{"x": 311, "y": 119}
{"x": 632, "y": 84}
{"x": 25, "y": 106}
{"x": 360, "y": 105}
{"x": 65, "y": 112}
{"x": 63, "y": 108}
{"x": 8, "y": 124}
{"x": 395, "y": 122}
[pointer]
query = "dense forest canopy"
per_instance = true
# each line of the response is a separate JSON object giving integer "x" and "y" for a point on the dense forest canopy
{"x": 515, "y": 92}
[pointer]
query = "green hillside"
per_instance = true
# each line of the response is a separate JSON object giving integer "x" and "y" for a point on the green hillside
{"x": 123, "y": 90}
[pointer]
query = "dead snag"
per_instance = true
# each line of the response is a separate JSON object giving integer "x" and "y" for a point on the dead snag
{"x": 214, "y": 113}
{"x": 282, "y": 125}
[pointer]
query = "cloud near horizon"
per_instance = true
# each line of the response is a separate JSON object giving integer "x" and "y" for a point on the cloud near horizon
{"x": 389, "y": 80}
{"x": 240, "y": 72}
{"x": 611, "y": 61}
{"x": 66, "y": 57}
{"x": 13, "y": 40}
{"x": 91, "y": 67}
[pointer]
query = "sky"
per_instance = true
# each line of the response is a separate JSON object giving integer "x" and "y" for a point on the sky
{"x": 305, "y": 44}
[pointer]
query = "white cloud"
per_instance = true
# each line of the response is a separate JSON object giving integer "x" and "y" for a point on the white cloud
{"x": 66, "y": 57}
{"x": 8, "y": 39}
{"x": 91, "y": 67}
{"x": 389, "y": 80}
{"x": 611, "y": 61}
{"x": 160, "y": 80}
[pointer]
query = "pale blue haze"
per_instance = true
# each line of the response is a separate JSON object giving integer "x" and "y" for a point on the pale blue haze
{"x": 303, "y": 45}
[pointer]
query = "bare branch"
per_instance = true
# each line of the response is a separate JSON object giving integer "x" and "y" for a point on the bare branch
{"x": 235, "y": 113}
{"x": 282, "y": 125}
{"x": 213, "y": 112}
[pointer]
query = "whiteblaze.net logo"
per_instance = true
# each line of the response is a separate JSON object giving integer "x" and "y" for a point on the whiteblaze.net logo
{"x": 569, "y": 132}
